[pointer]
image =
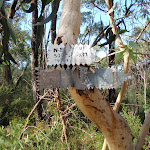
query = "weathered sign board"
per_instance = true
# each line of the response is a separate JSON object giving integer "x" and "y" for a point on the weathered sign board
{"x": 80, "y": 76}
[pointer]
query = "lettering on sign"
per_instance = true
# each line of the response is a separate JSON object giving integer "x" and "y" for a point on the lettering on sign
{"x": 70, "y": 54}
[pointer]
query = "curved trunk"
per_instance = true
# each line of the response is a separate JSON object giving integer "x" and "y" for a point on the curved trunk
{"x": 91, "y": 102}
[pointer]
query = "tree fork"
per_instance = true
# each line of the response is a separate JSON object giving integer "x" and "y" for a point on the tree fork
{"x": 91, "y": 102}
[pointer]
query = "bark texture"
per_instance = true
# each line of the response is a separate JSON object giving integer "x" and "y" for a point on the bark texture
{"x": 54, "y": 21}
{"x": 91, "y": 102}
{"x": 70, "y": 21}
{"x": 34, "y": 63}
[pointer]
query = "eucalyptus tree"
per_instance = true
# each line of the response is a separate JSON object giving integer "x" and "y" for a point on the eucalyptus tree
{"x": 91, "y": 102}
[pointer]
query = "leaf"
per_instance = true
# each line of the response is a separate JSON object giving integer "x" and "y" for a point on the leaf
{"x": 4, "y": 63}
{"x": 122, "y": 31}
{"x": 108, "y": 31}
{"x": 131, "y": 56}
{"x": 133, "y": 45}
{"x": 11, "y": 30}
{"x": 7, "y": 62}
{"x": 48, "y": 1}
{"x": 44, "y": 3}
{"x": 118, "y": 57}
{"x": 32, "y": 7}
{"x": 50, "y": 16}
{"x": 10, "y": 57}
{"x": 125, "y": 46}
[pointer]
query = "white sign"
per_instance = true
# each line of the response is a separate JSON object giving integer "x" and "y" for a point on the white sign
{"x": 70, "y": 54}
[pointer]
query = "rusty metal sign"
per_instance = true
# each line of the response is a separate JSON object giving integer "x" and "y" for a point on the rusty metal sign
{"x": 81, "y": 78}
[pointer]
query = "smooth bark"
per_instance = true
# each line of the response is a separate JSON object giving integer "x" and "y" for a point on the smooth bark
{"x": 91, "y": 102}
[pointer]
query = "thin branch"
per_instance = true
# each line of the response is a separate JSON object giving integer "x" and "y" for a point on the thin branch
{"x": 98, "y": 7}
{"x": 12, "y": 9}
{"x": 27, "y": 120}
{"x": 101, "y": 34}
{"x": 117, "y": 53}
{"x": 142, "y": 32}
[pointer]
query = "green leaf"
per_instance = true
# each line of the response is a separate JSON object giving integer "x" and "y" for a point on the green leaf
{"x": 10, "y": 57}
{"x": 133, "y": 45}
{"x": 50, "y": 17}
{"x": 125, "y": 46}
{"x": 108, "y": 31}
{"x": 131, "y": 56}
{"x": 4, "y": 63}
{"x": 48, "y": 1}
{"x": 32, "y": 7}
{"x": 11, "y": 30}
{"x": 1, "y": 68}
{"x": 7, "y": 62}
{"x": 44, "y": 3}
{"x": 118, "y": 57}
{"x": 122, "y": 31}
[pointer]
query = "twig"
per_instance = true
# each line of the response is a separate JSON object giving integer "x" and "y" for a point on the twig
{"x": 142, "y": 32}
{"x": 64, "y": 132}
{"x": 27, "y": 120}
{"x": 98, "y": 7}
{"x": 107, "y": 56}
{"x": 117, "y": 53}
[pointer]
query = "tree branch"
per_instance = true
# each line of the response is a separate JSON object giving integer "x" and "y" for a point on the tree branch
{"x": 12, "y": 9}
{"x": 142, "y": 31}
{"x": 143, "y": 132}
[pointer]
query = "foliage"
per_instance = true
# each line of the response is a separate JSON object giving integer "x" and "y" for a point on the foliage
{"x": 133, "y": 121}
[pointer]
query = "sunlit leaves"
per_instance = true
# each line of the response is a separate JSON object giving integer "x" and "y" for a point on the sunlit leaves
{"x": 119, "y": 57}
{"x": 127, "y": 48}
{"x": 133, "y": 45}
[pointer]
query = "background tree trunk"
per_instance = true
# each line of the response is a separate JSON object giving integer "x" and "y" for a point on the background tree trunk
{"x": 54, "y": 21}
{"x": 34, "y": 63}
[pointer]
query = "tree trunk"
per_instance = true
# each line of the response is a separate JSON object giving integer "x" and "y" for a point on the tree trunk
{"x": 91, "y": 102}
{"x": 34, "y": 63}
{"x": 54, "y": 21}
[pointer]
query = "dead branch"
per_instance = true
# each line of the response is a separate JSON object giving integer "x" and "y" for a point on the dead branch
{"x": 27, "y": 120}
